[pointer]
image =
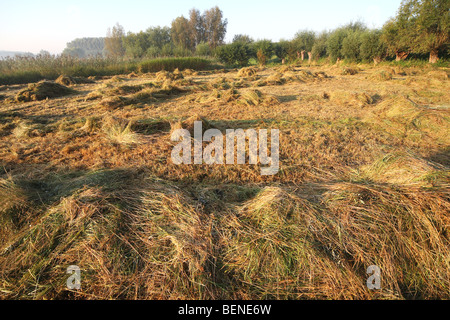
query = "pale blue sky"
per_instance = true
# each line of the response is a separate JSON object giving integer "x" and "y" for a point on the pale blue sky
{"x": 27, "y": 25}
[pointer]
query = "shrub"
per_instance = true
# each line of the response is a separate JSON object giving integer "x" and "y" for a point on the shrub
{"x": 234, "y": 54}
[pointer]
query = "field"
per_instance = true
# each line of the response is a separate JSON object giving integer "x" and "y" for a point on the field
{"x": 87, "y": 179}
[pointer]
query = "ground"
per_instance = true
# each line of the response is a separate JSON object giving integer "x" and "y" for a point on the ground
{"x": 88, "y": 180}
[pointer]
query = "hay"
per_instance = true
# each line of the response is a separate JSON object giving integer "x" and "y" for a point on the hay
{"x": 70, "y": 81}
{"x": 111, "y": 103}
{"x": 382, "y": 76}
{"x": 275, "y": 79}
{"x": 286, "y": 68}
{"x": 93, "y": 95}
{"x": 349, "y": 71}
{"x": 189, "y": 123}
{"x": 43, "y": 90}
{"x": 120, "y": 131}
{"x": 190, "y": 72}
{"x": 438, "y": 75}
{"x": 177, "y": 75}
{"x": 132, "y": 75}
{"x": 360, "y": 99}
{"x": 402, "y": 168}
{"x": 402, "y": 116}
{"x": 163, "y": 75}
{"x": 256, "y": 98}
{"x": 247, "y": 72}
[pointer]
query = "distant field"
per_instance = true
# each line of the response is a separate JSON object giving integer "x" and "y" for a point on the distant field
{"x": 87, "y": 180}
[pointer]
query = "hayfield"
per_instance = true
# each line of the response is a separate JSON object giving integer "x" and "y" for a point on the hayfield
{"x": 87, "y": 179}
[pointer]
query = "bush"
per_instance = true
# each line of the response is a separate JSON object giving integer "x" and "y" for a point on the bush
{"x": 203, "y": 50}
{"x": 263, "y": 50}
{"x": 170, "y": 64}
{"x": 234, "y": 54}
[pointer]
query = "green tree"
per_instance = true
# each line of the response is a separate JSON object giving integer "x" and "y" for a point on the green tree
{"x": 180, "y": 32}
{"x": 263, "y": 49}
{"x": 351, "y": 45}
{"x": 237, "y": 53}
{"x": 304, "y": 42}
{"x": 372, "y": 46}
{"x": 215, "y": 26}
{"x": 319, "y": 48}
{"x": 431, "y": 19}
{"x": 243, "y": 38}
{"x": 114, "y": 47}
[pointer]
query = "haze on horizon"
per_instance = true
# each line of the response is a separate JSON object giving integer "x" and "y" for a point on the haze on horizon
{"x": 31, "y": 26}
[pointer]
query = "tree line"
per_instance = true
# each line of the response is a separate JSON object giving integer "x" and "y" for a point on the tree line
{"x": 420, "y": 27}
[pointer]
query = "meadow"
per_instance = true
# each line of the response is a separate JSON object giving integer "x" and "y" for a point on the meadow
{"x": 87, "y": 180}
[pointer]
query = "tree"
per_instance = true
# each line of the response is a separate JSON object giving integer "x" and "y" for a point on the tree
{"x": 282, "y": 49}
{"x": 215, "y": 27}
{"x": 304, "y": 41}
{"x": 372, "y": 46}
{"x": 319, "y": 48}
{"x": 243, "y": 38}
{"x": 336, "y": 38}
{"x": 351, "y": 45}
{"x": 114, "y": 41}
{"x": 180, "y": 33}
{"x": 197, "y": 27}
{"x": 203, "y": 49}
{"x": 237, "y": 53}
{"x": 263, "y": 50}
{"x": 431, "y": 20}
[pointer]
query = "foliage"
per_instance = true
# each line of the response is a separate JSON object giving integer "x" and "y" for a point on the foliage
{"x": 234, "y": 54}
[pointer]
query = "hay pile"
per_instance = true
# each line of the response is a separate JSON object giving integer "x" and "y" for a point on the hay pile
{"x": 382, "y": 75}
{"x": 247, "y": 72}
{"x": 360, "y": 99}
{"x": 114, "y": 102}
{"x": 70, "y": 81}
{"x": 163, "y": 75}
{"x": 215, "y": 95}
{"x": 256, "y": 98}
{"x": 188, "y": 124}
{"x": 43, "y": 90}
{"x": 349, "y": 71}
{"x": 438, "y": 75}
{"x": 402, "y": 116}
{"x": 404, "y": 168}
{"x": 190, "y": 72}
{"x": 275, "y": 79}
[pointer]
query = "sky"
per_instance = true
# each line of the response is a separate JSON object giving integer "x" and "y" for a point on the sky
{"x": 31, "y": 26}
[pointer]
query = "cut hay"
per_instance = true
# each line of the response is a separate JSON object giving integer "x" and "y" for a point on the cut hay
{"x": 349, "y": 71}
{"x": 404, "y": 168}
{"x": 402, "y": 116}
{"x": 120, "y": 131}
{"x": 188, "y": 124}
{"x": 163, "y": 75}
{"x": 132, "y": 75}
{"x": 381, "y": 76}
{"x": 360, "y": 99}
{"x": 43, "y": 90}
{"x": 438, "y": 75}
{"x": 286, "y": 68}
{"x": 70, "y": 81}
{"x": 275, "y": 79}
{"x": 256, "y": 98}
{"x": 215, "y": 95}
{"x": 93, "y": 95}
{"x": 190, "y": 72}
{"x": 115, "y": 102}
{"x": 247, "y": 72}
